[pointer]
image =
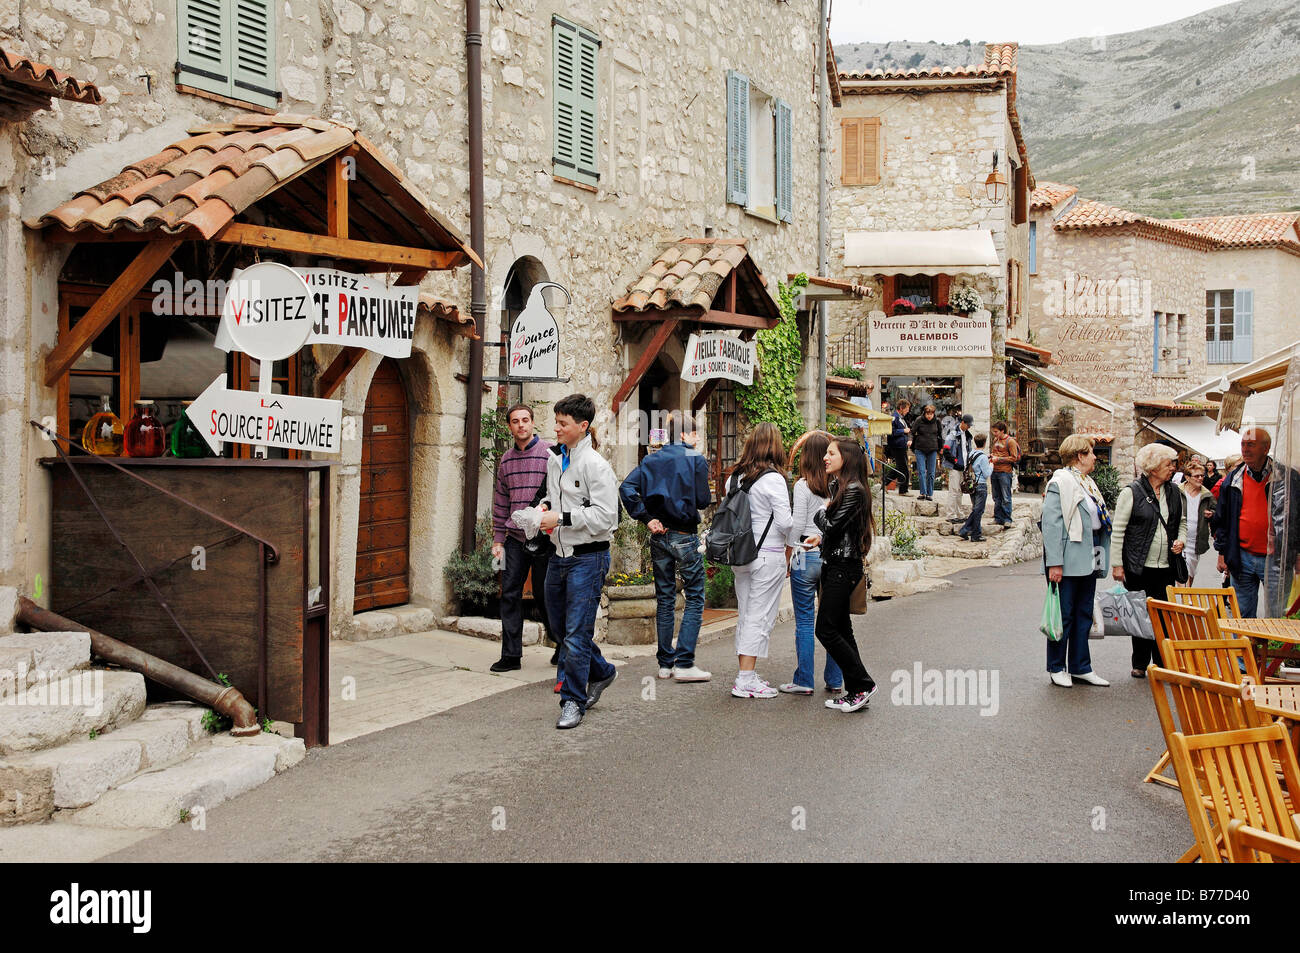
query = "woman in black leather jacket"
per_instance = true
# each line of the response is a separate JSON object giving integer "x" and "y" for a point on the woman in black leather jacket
{"x": 846, "y": 537}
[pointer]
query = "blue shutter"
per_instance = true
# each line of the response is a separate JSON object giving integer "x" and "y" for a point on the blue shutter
{"x": 253, "y": 63}
{"x": 203, "y": 45}
{"x": 1155, "y": 345}
{"x": 1033, "y": 248}
{"x": 784, "y": 162}
{"x": 737, "y": 138}
{"x": 1243, "y": 324}
{"x": 575, "y": 56}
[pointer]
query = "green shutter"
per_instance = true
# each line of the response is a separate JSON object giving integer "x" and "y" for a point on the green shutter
{"x": 1243, "y": 326}
{"x": 203, "y": 45}
{"x": 784, "y": 162}
{"x": 737, "y": 138}
{"x": 253, "y": 53}
{"x": 575, "y": 59}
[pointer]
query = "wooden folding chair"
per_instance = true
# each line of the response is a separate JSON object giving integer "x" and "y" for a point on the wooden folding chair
{"x": 1232, "y": 774}
{"x": 1250, "y": 845}
{"x": 1223, "y": 602}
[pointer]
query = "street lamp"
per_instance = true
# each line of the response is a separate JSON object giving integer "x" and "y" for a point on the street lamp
{"x": 995, "y": 186}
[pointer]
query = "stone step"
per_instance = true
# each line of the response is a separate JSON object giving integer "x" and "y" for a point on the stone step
{"x": 956, "y": 547}
{"x": 49, "y": 713}
{"x": 53, "y": 651}
{"x": 17, "y": 669}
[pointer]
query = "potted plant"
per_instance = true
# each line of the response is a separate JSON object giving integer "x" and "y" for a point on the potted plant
{"x": 965, "y": 300}
{"x": 473, "y": 577}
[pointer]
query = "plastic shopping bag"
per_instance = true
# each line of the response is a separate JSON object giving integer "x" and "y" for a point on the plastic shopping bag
{"x": 1125, "y": 613}
{"x": 1051, "y": 625}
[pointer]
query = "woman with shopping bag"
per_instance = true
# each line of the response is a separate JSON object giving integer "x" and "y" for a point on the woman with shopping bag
{"x": 1076, "y": 544}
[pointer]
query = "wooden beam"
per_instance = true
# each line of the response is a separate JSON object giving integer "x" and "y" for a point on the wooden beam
{"x": 339, "y": 368}
{"x": 702, "y": 395}
{"x": 647, "y": 358}
{"x": 261, "y": 236}
{"x": 106, "y": 307}
{"x": 336, "y": 197}
{"x": 731, "y": 291}
{"x": 411, "y": 276}
{"x": 730, "y": 319}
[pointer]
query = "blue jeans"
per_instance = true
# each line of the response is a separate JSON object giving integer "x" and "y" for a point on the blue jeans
{"x": 1077, "y": 596}
{"x": 925, "y": 462}
{"x": 670, "y": 552}
{"x": 971, "y": 527}
{"x": 1248, "y": 581}
{"x": 573, "y": 585}
{"x": 805, "y": 573}
{"x": 1001, "y": 497}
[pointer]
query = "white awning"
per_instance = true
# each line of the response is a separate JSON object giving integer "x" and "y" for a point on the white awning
{"x": 1197, "y": 434}
{"x": 949, "y": 252}
{"x": 1266, "y": 373}
{"x": 1064, "y": 387}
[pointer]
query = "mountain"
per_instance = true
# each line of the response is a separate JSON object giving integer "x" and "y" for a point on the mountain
{"x": 1196, "y": 117}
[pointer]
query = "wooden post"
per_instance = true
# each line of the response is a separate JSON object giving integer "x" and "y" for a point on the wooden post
{"x": 652, "y": 350}
{"x": 336, "y": 197}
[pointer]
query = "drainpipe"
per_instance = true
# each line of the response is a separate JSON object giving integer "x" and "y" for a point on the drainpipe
{"x": 478, "y": 281}
{"x": 823, "y": 257}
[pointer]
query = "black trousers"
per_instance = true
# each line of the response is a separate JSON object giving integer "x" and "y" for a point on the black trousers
{"x": 518, "y": 562}
{"x": 1153, "y": 582}
{"x": 835, "y": 623}
{"x": 898, "y": 457}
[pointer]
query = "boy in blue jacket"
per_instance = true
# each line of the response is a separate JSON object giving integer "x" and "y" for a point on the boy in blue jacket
{"x": 983, "y": 467}
{"x": 667, "y": 492}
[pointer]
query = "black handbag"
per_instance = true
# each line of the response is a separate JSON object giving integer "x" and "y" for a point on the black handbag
{"x": 1176, "y": 561}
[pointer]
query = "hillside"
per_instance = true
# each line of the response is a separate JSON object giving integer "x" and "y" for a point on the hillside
{"x": 1196, "y": 117}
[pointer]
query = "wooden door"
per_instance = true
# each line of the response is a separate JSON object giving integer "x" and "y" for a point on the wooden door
{"x": 384, "y": 523}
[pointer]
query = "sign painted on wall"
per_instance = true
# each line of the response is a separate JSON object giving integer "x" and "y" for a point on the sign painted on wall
{"x": 932, "y": 335}
{"x": 268, "y": 420}
{"x": 360, "y": 311}
{"x": 719, "y": 354}
{"x": 535, "y": 338}
{"x": 267, "y": 313}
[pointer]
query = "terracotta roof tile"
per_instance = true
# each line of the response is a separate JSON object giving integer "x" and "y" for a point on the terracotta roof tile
{"x": 999, "y": 63}
{"x": 1051, "y": 194}
{"x": 1275, "y": 229}
{"x": 27, "y": 86}
{"x": 1246, "y": 231}
{"x": 687, "y": 274}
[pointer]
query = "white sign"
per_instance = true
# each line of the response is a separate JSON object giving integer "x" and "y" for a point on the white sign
{"x": 932, "y": 335}
{"x": 360, "y": 311}
{"x": 267, "y": 420}
{"x": 535, "y": 338}
{"x": 267, "y": 313}
{"x": 719, "y": 354}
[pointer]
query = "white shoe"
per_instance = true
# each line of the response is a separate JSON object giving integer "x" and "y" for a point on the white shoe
{"x": 665, "y": 673}
{"x": 1061, "y": 678}
{"x": 754, "y": 688}
{"x": 790, "y": 688}
{"x": 692, "y": 674}
{"x": 1092, "y": 678}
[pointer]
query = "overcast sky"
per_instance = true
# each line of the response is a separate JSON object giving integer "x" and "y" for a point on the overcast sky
{"x": 1025, "y": 21}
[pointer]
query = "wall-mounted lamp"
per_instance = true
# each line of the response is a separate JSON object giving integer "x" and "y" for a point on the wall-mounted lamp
{"x": 995, "y": 186}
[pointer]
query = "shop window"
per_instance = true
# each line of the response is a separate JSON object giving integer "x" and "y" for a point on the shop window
{"x": 721, "y": 423}
{"x": 944, "y": 392}
{"x": 574, "y": 62}
{"x": 1229, "y": 319}
{"x": 760, "y": 150}
{"x": 227, "y": 47}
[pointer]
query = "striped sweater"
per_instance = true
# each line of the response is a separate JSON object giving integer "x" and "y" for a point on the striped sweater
{"x": 519, "y": 476}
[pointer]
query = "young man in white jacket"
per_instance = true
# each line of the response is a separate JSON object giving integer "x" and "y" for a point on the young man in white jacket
{"x": 581, "y": 505}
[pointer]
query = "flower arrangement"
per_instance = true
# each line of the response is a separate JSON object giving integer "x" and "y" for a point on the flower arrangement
{"x": 631, "y": 579}
{"x": 903, "y": 306}
{"x": 966, "y": 299}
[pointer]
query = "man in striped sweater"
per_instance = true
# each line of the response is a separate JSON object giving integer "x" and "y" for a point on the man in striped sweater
{"x": 521, "y": 473}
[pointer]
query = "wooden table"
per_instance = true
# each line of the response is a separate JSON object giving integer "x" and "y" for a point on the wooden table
{"x": 1286, "y": 631}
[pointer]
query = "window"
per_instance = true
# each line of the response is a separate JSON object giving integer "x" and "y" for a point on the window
{"x": 720, "y": 426}
{"x": 574, "y": 63}
{"x": 1229, "y": 319}
{"x": 1157, "y": 325}
{"x": 760, "y": 151}
{"x": 860, "y": 151}
{"x": 1169, "y": 344}
{"x": 227, "y": 47}
{"x": 923, "y": 291}
{"x": 1013, "y": 292}
{"x": 1033, "y": 248}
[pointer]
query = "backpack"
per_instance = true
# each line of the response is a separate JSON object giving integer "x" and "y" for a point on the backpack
{"x": 968, "y": 481}
{"x": 731, "y": 534}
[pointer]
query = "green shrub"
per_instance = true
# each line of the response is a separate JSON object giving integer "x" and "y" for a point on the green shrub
{"x": 903, "y": 535}
{"x": 719, "y": 585}
{"x": 852, "y": 373}
{"x": 1107, "y": 480}
{"x": 473, "y": 578}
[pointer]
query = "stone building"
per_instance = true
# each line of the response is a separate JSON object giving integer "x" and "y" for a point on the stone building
{"x": 610, "y": 134}
{"x": 931, "y": 190}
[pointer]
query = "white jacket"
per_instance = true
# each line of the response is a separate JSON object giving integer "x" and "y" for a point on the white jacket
{"x": 585, "y": 495}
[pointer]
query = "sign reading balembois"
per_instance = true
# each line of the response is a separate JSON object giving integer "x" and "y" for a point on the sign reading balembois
{"x": 932, "y": 335}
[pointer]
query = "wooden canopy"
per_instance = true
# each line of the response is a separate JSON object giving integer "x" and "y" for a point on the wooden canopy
{"x": 328, "y": 190}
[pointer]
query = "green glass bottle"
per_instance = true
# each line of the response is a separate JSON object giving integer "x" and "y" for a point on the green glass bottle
{"x": 186, "y": 439}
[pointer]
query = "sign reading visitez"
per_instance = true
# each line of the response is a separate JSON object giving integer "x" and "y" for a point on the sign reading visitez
{"x": 932, "y": 335}
{"x": 719, "y": 354}
{"x": 267, "y": 311}
{"x": 535, "y": 338}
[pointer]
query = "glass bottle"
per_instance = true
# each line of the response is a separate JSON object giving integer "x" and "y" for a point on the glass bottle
{"x": 145, "y": 436}
{"x": 102, "y": 434}
{"x": 186, "y": 440}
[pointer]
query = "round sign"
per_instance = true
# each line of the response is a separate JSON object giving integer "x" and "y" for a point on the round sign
{"x": 268, "y": 311}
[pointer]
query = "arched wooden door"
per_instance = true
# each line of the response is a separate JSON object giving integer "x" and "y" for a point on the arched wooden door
{"x": 384, "y": 523}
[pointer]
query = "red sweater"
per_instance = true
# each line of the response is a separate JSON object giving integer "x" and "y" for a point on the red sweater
{"x": 1252, "y": 530}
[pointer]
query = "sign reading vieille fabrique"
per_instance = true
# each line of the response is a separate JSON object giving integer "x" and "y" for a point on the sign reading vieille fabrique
{"x": 719, "y": 354}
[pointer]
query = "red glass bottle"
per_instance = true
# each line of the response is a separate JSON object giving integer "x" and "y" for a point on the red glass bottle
{"x": 145, "y": 435}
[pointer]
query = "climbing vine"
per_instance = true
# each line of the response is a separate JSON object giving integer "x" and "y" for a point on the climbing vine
{"x": 773, "y": 395}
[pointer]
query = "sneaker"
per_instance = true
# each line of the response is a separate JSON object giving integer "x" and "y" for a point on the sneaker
{"x": 558, "y": 686}
{"x": 595, "y": 689}
{"x": 692, "y": 674}
{"x": 964, "y": 536}
{"x": 1061, "y": 678}
{"x": 757, "y": 688}
{"x": 790, "y": 688}
{"x": 505, "y": 665}
{"x": 1092, "y": 678}
{"x": 974, "y": 539}
{"x": 847, "y": 703}
{"x": 570, "y": 715}
{"x": 665, "y": 672}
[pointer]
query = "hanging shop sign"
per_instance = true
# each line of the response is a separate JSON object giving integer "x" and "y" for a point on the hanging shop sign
{"x": 267, "y": 420}
{"x": 360, "y": 311}
{"x": 535, "y": 339}
{"x": 932, "y": 335}
{"x": 267, "y": 313}
{"x": 719, "y": 354}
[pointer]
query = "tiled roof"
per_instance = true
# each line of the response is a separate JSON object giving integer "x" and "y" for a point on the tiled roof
{"x": 850, "y": 384}
{"x": 832, "y": 71}
{"x": 27, "y": 86}
{"x": 201, "y": 183}
{"x": 462, "y": 324}
{"x": 1043, "y": 354}
{"x": 1051, "y": 194}
{"x": 1245, "y": 231}
{"x": 1087, "y": 214}
{"x": 687, "y": 273}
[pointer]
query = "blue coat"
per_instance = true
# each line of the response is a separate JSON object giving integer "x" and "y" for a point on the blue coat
{"x": 670, "y": 485}
{"x": 1059, "y": 549}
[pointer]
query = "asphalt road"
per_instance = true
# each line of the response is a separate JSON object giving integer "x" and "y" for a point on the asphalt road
{"x": 690, "y": 773}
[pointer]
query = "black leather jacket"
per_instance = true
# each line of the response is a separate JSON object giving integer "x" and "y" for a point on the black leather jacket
{"x": 842, "y": 528}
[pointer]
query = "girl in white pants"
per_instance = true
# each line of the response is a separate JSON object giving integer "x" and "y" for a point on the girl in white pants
{"x": 758, "y": 585}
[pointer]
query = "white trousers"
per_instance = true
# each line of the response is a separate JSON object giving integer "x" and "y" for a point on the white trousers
{"x": 954, "y": 493}
{"x": 758, "y": 596}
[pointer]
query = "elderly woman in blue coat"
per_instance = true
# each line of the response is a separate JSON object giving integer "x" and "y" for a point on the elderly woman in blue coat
{"x": 1076, "y": 550}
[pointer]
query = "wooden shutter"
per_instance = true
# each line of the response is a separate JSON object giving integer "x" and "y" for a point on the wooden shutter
{"x": 203, "y": 45}
{"x": 942, "y": 285}
{"x": 1020, "y": 208}
{"x": 887, "y": 286}
{"x": 1243, "y": 325}
{"x": 784, "y": 162}
{"x": 253, "y": 51}
{"x": 737, "y": 138}
{"x": 575, "y": 60}
{"x": 860, "y": 146}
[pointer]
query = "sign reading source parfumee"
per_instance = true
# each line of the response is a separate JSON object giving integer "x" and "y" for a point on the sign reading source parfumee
{"x": 932, "y": 335}
{"x": 719, "y": 354}
{"x": 535, "y": 338}
{"x": 269, "y": 420}
{"x": 359, "y": 311}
